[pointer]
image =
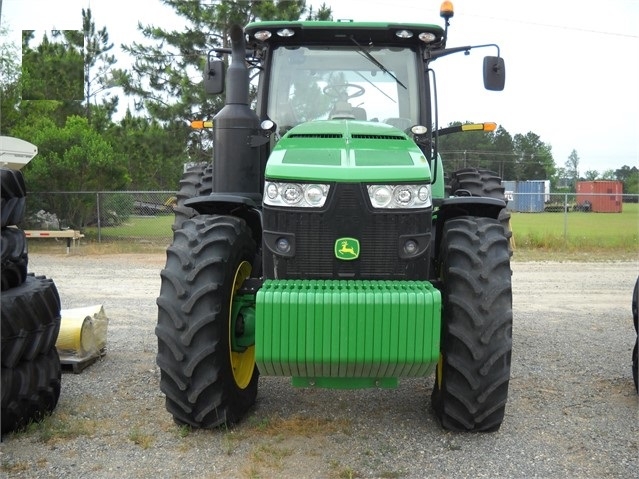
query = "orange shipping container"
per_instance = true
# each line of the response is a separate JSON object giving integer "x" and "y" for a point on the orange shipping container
{"x": 605, "y": 196}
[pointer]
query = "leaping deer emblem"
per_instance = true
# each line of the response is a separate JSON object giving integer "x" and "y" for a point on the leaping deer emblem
{"x": 347, "y": 248}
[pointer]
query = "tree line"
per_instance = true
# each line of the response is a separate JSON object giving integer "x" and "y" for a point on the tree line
{"x": 62, "y": 98}
{"x": 523, "y": 157}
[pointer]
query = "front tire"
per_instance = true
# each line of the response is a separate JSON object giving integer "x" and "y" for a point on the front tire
{"x": 473, "y": 372}
{"x": 206, "y": 383}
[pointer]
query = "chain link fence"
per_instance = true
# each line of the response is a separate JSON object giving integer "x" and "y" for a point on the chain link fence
{"x": 147, "y": 216}
{"x": 141, "y": 216}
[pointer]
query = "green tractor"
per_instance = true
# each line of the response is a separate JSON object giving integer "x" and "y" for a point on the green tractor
{"x": 325, "y": 242}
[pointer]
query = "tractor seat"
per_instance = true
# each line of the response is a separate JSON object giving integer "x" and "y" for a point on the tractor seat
{"x": 344, "y": 111}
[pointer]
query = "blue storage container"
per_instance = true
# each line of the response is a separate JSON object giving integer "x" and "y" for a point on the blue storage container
{"x": 530, "y": 196}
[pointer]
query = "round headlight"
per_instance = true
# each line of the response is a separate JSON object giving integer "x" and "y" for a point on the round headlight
{"x": 271, "y": 190}
{"x": 423, "y": 193}
{"x": 403, "y": 196}
{"x": 292, "y": 194}
{"x": 314, "y": 194}
{"x": 380, "y": 196}
{"x": 283, "y": 245}
{"x": 410, "y": 247}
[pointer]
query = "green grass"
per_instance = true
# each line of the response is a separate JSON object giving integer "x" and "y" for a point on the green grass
{"x": 573, "y": 236}
{"x": 578, "y": 232}
{"x": 138, "y": 227}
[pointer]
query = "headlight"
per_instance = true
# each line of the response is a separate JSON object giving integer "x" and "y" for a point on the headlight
{"x": 300, "y": 195}
{"x": 400, "y": 196}
{"x": 380, "y": 195}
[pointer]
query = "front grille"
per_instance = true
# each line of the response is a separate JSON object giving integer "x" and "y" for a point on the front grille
{"x": 348, "y": 215}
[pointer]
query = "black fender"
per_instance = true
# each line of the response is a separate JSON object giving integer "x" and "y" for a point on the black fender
{"x": 245, "y": 206}
{"x": 480, "y": 206}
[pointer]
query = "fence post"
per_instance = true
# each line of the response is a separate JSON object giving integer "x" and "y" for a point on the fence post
{"x": 565, "y": 217}
{"x": 97, "y": 194}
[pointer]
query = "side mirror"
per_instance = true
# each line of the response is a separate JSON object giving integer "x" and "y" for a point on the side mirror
{"x": 494, "y": 73}
{"x": 214, "y": 76}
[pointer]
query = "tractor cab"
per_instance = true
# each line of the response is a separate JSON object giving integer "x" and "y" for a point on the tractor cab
{"x": 326, "y": 82}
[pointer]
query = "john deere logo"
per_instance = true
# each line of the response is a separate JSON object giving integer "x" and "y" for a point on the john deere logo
{"x": 347, "y": 249}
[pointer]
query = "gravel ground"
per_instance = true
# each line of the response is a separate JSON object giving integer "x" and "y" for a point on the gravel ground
{"x": 572, "y": 410}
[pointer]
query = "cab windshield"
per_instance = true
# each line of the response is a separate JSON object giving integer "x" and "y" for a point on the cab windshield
{"x": 366, "y": 84}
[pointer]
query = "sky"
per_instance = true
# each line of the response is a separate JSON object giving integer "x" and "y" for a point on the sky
{"x": 572, "y": 67}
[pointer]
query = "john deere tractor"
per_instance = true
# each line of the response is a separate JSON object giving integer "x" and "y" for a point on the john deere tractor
{"x": 325, "y": 242}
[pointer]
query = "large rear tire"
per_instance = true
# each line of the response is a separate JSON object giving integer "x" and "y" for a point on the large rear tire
{"x": 484, "y": 183}
{"x": 206, "y": 383}
{"x": 196, "y": 181}
{"x": 476, "y": 182}
{"x": 473, "y": 372}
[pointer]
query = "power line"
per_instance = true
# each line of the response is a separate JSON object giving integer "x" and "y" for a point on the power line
{"x": 560, "y": 27}
{"x": 387, "y": 5}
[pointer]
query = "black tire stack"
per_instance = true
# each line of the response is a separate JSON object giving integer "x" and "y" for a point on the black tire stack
{"x": 29, "y": 320}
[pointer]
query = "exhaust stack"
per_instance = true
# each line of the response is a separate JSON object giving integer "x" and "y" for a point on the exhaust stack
{"x": 236, "y": 164}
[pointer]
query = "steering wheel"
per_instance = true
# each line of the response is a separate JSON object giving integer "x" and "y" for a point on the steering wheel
{"x": 333, "y": 91}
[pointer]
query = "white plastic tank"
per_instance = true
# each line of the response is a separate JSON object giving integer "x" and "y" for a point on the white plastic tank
{"x": 15, "y": 153}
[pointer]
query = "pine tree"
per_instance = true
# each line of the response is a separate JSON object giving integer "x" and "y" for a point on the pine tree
{"x": 166, "y": 77}
{"x": 98, "y": 64}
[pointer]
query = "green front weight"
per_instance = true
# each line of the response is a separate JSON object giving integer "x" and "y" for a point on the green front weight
{"x": 347, "y": 334}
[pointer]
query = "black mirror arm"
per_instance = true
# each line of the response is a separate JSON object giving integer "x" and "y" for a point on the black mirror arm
{"x": 433, "y": 55}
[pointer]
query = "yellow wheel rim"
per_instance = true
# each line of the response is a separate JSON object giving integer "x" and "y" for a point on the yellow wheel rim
{"x": 242, "y": 363}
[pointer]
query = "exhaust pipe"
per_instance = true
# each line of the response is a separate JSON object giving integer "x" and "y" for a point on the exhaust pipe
{"x": 236, "y": 164}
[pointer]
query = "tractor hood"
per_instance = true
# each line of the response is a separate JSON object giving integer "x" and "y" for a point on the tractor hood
{"x": 347, "y": 151}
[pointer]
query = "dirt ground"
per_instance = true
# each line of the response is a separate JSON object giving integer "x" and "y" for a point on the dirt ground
{"x": 572, "y": 409}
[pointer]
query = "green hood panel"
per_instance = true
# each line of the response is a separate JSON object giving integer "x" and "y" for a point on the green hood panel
{"x": 347, "y": 151}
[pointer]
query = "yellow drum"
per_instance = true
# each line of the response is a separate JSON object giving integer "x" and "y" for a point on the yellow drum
{"x": 82, "y": 332}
